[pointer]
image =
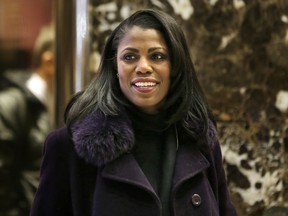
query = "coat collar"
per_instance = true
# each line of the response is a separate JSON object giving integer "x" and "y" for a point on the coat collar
{"x": 99, "y": 138}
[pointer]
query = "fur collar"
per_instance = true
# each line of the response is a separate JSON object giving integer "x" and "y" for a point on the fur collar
{"x": 99, "y": 139}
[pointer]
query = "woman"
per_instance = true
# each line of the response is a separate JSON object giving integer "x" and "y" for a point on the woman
{"x": 139, "y": 139}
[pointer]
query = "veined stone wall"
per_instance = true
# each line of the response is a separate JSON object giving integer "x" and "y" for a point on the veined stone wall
{"x": 240, "y": 51}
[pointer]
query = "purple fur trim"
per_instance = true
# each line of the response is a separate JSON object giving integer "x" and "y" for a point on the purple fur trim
{"x": 99, "y": 139}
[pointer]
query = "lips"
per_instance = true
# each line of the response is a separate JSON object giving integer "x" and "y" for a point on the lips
{"x": 144, "y": 85}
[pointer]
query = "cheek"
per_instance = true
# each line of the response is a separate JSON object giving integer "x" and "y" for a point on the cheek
{"x": 121, "y": 68}
{"x": 123, "y": 80}
{"x": 124, "y": 72}
{"x": 121, "y": 74}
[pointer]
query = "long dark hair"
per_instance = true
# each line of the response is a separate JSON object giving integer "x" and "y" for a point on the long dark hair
{"x": 185, "y": 102}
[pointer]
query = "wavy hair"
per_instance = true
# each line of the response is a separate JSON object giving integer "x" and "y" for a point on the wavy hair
{"x": 185, "y": 101}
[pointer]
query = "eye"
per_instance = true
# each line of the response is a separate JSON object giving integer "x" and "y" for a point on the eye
{"x": 158, "y": 57}
{"x": 129, "y": 57}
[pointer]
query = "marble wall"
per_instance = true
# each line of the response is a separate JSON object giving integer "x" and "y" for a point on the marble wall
{"x": 240, "y": 51}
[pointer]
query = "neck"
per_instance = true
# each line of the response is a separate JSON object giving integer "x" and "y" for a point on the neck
{"x": 145, "y": 121}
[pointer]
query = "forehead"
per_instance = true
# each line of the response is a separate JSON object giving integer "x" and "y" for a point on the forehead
{"x": 137, "y": 36}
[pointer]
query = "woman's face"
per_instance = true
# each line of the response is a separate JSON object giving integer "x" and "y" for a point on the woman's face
{"x": 144, "y": 66}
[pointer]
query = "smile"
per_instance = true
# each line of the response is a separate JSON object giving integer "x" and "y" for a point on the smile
{"x": 145, "y": 84}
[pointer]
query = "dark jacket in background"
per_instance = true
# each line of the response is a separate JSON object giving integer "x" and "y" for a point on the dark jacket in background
{"x": 109, "y": 181}
{"x": 23, "y": 128}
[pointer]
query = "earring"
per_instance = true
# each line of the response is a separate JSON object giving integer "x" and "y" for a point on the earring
{"x": 117, "y": 75}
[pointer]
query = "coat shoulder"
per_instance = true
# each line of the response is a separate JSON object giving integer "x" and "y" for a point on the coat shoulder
{"x": 58, "y": 140}
{"x": 60, "y": 134}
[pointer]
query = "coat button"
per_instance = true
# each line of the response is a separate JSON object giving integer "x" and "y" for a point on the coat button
{"x": 196, "y": 200}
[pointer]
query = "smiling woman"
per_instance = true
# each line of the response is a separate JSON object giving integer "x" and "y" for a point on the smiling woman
{"x": 140, "y": 139}
{"x": 144, "y": 68}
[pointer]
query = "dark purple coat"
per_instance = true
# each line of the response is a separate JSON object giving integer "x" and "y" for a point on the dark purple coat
{"x": 96, "y": 175}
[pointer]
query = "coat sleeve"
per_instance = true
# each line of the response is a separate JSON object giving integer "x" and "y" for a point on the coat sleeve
{"x": 217, "y": 175}
{"x": 225, "y": 205}
{"x": 53, "y": 194}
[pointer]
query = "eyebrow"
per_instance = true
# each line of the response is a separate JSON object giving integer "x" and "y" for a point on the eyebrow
{"x": 149, "y": 50}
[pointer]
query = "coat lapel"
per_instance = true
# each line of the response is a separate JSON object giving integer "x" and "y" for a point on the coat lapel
{"x": 126, "y": 169}
{"x": 189, "y": 162}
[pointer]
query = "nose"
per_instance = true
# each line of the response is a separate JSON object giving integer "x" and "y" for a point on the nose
{"x": 143, "y": 66}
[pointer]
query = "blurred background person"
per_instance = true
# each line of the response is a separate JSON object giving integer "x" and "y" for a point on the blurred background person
{"x": 26, "y": 116}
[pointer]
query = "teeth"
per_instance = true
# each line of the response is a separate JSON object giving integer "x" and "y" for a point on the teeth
{"x": 145, "y": 84}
